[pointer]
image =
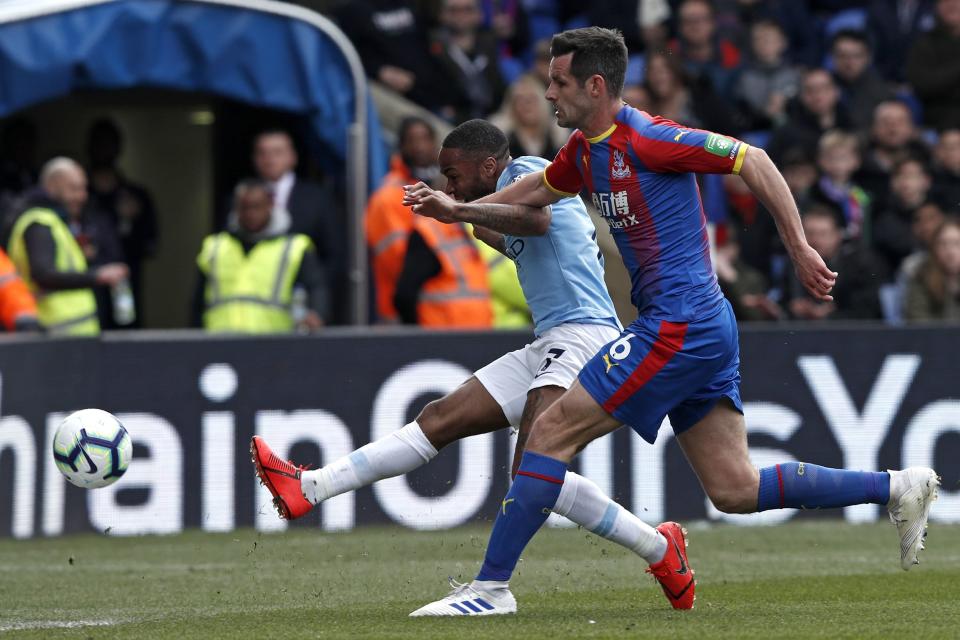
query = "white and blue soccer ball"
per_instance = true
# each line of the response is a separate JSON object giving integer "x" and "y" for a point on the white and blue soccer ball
{"x": 92, "y": 448}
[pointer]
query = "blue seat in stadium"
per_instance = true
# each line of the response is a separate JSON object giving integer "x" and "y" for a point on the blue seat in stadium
{"x": 855, "y": 19}
{"x": 759, "y": 138}
{"x": 636, "y": 68}
{"x": 512, "y": 68}
{"x": 576, "y": 22}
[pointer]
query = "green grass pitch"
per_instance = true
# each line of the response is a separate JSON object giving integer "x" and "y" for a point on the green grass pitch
{"x": 808, "y": 579}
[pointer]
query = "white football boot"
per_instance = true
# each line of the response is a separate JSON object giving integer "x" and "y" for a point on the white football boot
{"x": 471, "y": 599}
{"x": 912, "y": 491}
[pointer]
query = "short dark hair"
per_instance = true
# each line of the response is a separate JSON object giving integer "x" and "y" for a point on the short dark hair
{"x": 911, "y": 158}
{"x": 770, "y": 23}
{"x": 596, "y": 51}
{"x": 851, "y": 34}
{"x": 252, "y": 184}
{"x": 478, "y": 137}
{"x": 273, "y": 131}
{"x": 824, "y": 211}
{"x": 410, "y": 122}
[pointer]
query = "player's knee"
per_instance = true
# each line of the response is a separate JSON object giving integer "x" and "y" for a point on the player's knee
{"x": 733, "y": 502}
{"x": 737, "y": 496}
{"x": 436, "y": 423}
{"x": 548, "y": 437}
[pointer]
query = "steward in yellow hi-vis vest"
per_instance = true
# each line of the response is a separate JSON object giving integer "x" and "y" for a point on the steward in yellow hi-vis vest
{"x": 249, "y": 273}
{"x": 50, "y": 260}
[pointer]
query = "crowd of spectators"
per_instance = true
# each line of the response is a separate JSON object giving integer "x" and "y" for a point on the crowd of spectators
{"x": 857, "y": 101}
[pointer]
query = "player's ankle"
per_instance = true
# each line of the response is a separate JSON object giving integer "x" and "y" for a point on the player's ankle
{"x": 491, "y": 585}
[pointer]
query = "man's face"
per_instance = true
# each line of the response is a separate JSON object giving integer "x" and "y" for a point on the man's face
{"x": 818, "y": 93}
{"x": 850, "y": 58}
{"x": 69, "y": 188}
{"x": 571, "y": 101}
{"x": 696, "y": 23}
{"x": 768, "y": 43}
{"x": 949, "y": 13}
{"x": 892, "y": 125}
{"x": 823, "y": 235}
{"x": 419, "y": 146}
{"x": 254, "y": 207}
{"x": 910, "y": 184}
{"x": 273, "y": 156}
{"x": 926, "y": 220}
{"x": 948, "y": 151}
{"x": 465, "y": 176}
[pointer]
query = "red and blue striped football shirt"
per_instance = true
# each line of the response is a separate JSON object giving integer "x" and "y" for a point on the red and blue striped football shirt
{"x": 640, "y": 175}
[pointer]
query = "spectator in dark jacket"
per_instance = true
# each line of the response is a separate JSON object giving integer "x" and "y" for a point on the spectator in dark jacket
{"x": 128, "y": 204}
{"x": 508, "y": 21}
{"x": 469, "y": 56}
{"x": 816, "y": 111}
{"x": 946, "y": 178}
{"x": 894, "y": 26}
{"x": 933, "y": 68}
{"x": 394, "y": 49}
{"x": 855, "y": 295}
{"x": 861, "y": 87}
{"x": 893, "y": 137}
{"x": 767, "y": 83}
{"x": 705, "y": 52}
{"x": 313, "y": 211}
{"x": 909, "y": 189}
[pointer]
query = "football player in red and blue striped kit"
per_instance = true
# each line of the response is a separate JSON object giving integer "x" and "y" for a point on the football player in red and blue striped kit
{"x": 680, "y": 358}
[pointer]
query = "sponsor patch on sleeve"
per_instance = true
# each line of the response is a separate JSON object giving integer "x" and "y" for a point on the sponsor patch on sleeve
{"x": 718, "y": 145}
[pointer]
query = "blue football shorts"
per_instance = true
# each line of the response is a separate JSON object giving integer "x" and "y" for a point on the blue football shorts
{"x": 658, "y": 368}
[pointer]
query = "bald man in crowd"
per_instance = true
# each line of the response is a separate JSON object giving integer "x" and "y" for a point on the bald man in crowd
{"x": 49, "y": 257}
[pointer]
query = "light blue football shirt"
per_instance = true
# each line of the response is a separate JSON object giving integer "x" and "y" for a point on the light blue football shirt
{"x": 561, "y": 272}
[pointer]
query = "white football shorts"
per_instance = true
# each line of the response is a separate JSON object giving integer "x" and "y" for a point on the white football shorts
{"x": 553, "y": 359}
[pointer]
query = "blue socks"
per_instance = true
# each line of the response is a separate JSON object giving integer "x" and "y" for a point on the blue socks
{"x": 526, "y": 507}
{"x": 797, "y": 485}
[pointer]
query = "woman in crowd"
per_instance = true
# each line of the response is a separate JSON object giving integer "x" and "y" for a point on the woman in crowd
{"x": 527, "y": 120}
{"x": 934, "y": 291}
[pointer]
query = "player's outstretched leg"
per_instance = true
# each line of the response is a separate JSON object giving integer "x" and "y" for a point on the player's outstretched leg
{"x": 734, "y": 486}
{"x": 468, "y": 410}
{"x": 558, "y": 434}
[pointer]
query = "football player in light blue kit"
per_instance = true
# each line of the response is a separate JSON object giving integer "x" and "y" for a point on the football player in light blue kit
{"x": 561, "y": 272}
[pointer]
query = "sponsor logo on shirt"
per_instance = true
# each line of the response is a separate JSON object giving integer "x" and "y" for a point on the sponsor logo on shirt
{"x": 615, "y": 209}
{"x": 620, "y": 170}
{"x": 718, "y": 145}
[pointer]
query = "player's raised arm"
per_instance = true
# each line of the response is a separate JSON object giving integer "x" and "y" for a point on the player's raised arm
{"x": 766, "y": 182}
{"x": 530, "y": 190}
{"x": 512, "y": 219}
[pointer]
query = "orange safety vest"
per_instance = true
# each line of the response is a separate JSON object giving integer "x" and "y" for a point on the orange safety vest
{"x": 16, "y": 301}
{"x": 459, "y": 296}
{"x": 388, "y": 225}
